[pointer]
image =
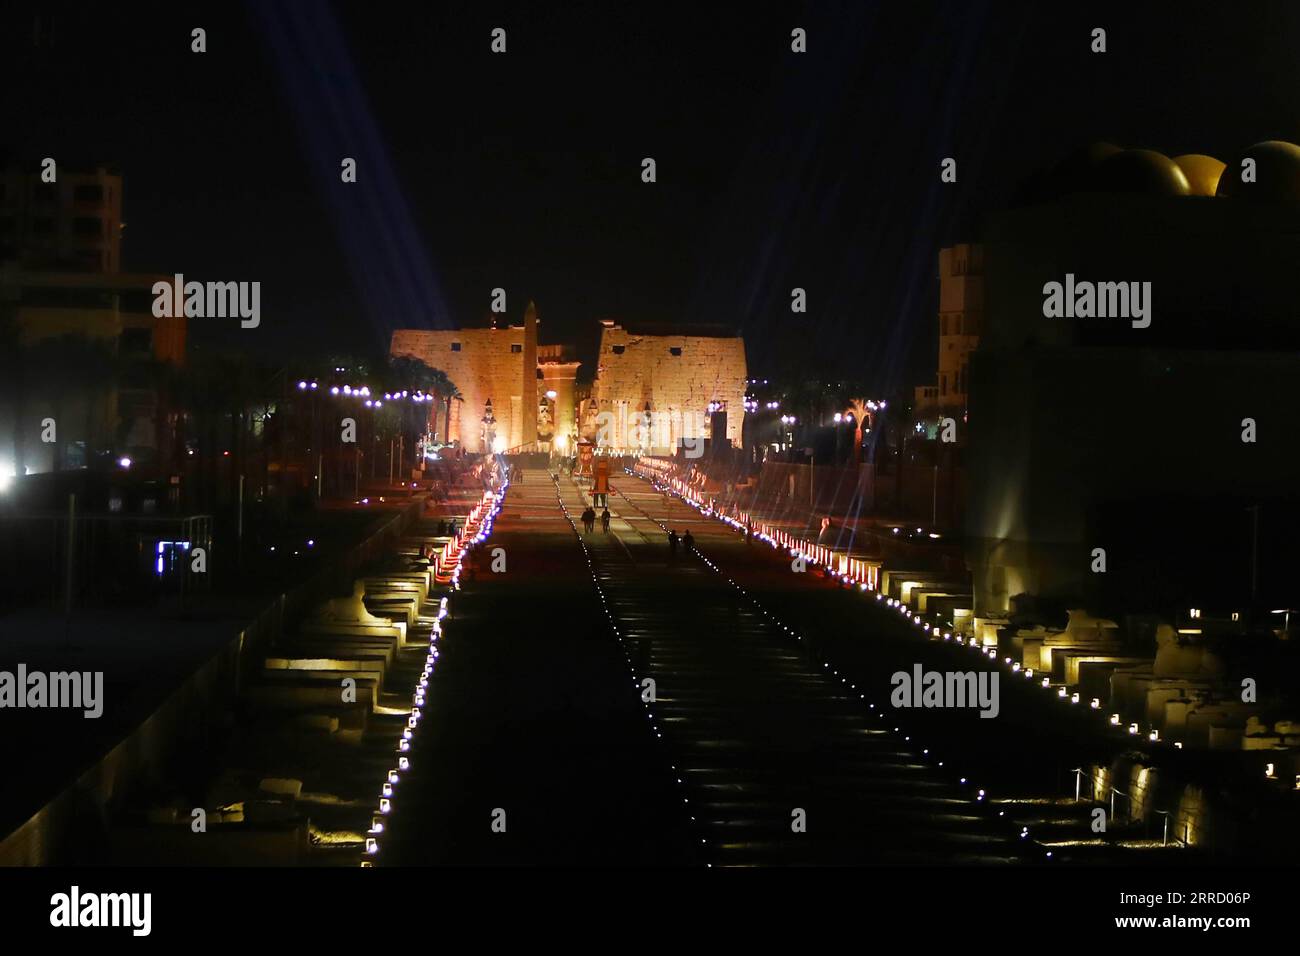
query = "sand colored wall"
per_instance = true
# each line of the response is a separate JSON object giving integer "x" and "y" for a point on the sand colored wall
{"x": 484, "y": 368}
{"x": 678, "y": 388}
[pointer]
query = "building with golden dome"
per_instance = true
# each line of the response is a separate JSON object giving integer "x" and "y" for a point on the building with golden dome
{"x": 1093, "y": 433}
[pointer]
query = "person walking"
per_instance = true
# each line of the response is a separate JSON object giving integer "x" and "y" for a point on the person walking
{"x": 589, "y": 520}
{"x": 823, "y": 536}
{"x": 604, "y": 520}
{"x": 689, "y": 542}
{"x": 672, "y": 543}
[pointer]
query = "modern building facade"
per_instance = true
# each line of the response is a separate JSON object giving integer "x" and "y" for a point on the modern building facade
{"x": 73, "y": 224}
{"x": 82, "y": 345}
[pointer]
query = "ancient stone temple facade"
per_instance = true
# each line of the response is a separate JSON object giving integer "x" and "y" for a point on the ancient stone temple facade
{"x": 503, "y": 365}
{"x": 658, "y": 385}
{"x": 655, "y": 386}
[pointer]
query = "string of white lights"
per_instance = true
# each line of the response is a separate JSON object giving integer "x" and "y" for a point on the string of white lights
{"x": 362, "y": 393}
{"x": 934, "y": 626}
{"x": 478, "y": 526}
{"x": 980, "y": 794}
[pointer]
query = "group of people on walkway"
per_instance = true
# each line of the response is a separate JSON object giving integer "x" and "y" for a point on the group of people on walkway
{"x": 589, "y": 520}
{"x": 687, "y": 542}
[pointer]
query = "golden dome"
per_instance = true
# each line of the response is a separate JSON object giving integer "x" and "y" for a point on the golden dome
{"x": 1202, "y": 172}
{"x": 1277, "y": 173}
{"x": 1142, "y": 171}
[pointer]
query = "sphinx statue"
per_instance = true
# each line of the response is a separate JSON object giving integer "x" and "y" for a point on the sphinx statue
{"x": 349, "y": 610}
{"x": 1186, "y": 656}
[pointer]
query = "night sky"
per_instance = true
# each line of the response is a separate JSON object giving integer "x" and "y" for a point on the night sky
{"x": 523, "y": 171}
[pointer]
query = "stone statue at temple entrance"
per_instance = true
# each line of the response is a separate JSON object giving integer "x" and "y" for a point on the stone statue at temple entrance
{"x": 348, "y": 610}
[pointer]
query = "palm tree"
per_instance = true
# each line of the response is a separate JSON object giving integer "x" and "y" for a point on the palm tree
{"x": 165, "y": 380}
{"x": 413, "y": 376}
{"x": 452, "y": 395}
{"x": 445, "y": 389}
{"x": 215, "y": 388}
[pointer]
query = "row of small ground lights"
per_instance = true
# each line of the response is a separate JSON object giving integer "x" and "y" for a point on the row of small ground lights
{"x": 980, "y": 794}
{"x": 417, "y": 701}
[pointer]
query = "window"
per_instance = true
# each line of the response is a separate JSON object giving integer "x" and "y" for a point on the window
{"x": 675, "y": 350}
{"x": 618, "y": 349}
{"x": 455, "y": 346}
{"x": 516, "y": 348}
{"x": 88, "y": 226}
{"x": 943, "y": 325}
{"x": 42, "y": 227}
{"x": 45, "y": 192}
{"x": 92, "y": 192}
{"x": 6, "y": 224}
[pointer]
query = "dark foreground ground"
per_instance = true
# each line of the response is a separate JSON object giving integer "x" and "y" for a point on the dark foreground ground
{"x": 751, "y": 754}
{"x": 532, "y": 711}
